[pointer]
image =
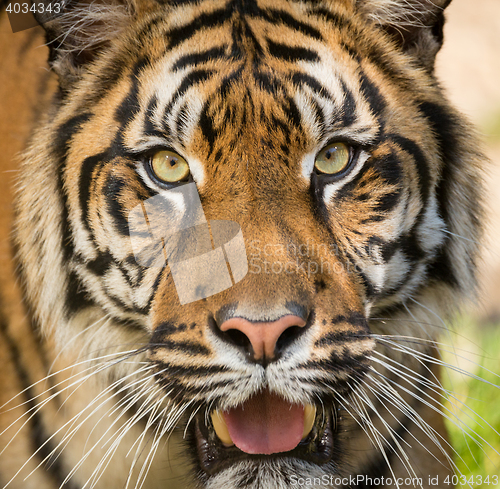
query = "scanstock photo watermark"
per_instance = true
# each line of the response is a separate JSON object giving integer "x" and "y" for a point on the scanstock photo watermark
{"x": 309, "y": 258}
{"x": 361, "y": 480}
{"x": 206, "y": 257}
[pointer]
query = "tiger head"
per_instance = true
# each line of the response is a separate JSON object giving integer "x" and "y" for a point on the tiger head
{"x": 322, "y": 184}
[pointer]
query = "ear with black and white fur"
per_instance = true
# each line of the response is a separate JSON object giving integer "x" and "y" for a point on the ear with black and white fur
{"x": 416, "y": 25}
{"x": 80, "y": 30}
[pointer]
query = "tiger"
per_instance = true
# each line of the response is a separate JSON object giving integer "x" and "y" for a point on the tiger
{"x": 232, "y": 232}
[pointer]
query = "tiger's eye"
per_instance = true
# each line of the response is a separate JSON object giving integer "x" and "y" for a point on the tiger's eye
{"x": 333, "y": 159}
{"x": 169, "y": 167}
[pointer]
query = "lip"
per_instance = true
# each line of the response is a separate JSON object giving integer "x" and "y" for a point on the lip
{"x": 213, "y": 456}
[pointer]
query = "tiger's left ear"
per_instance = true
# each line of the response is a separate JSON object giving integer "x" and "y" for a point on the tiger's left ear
{"x": 416, "y": 25}
{"x": 78, "y": 30}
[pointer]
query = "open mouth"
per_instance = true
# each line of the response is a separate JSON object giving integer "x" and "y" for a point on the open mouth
{"x": 265, "y": 426}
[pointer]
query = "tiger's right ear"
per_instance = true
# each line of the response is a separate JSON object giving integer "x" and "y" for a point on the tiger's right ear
{"x": 415, "y": 25}
{"x": 77, "y": 30}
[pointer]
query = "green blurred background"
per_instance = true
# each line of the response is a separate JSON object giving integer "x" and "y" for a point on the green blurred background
{"x": 469, "y": 68}
{"x": 476, "y": 347}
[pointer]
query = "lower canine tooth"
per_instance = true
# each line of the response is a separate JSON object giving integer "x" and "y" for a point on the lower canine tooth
{"x": 309, "y": 417}
{"x": 220, "y": 428}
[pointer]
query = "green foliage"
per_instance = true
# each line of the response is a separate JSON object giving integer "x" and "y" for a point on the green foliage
{"x": 477, "y": 350}
{"x": 491, "y": 127}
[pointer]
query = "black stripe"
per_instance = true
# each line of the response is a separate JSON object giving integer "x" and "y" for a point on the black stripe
{"x": 375, "y": 100}
{"x": 155, "y": 287}
{"x": 388, "y": 249}
{"x": 245, "y": 7}
{"x": 242, "y": 38}
{"x": 387, "y": 202}
{"x": 299, "y": 78}
{"x": 354, "y": 318}
{"x": 183, "y": 2}
{"x": 89, "y": 166}
{"x": 149, "y": 115}
{"x": 125, "y": 308}
{"x": 196, "y": 59}
{"x": 63, "y": 136}
{"x": 206, "y": 124}
{"x": 336, "y": 337}
{"x": 115, "y": 188}
{"x": 348, "y": 106}
{"x": 77, "y": 297}
{"x": 192, "y": 78}
{"x": 336, "y": 19}
{"x": 444, "y": 126}
{"x": 356, "y": 365}
{"x": 166, "y": 329}
{"x": 130, "y": 106}
{"x": 118, "y": 65}
{"x": 101, "y": 264}
{"x": 351, "y": 51}
{"x": 347, "y": 190}
{"x": 181, "y": 121}
{"x": 289, "y": 53}
{"x": 187, "y": 347}
{"x": 319, "y": 116}
{"x": 204, "y": 21}
{"x": 274, "y": 16}
{"x": 268, "y": 82}
{"x": 370, "y": 289}
{"x": 410, "y": 244}
{"x": 186, "y": 371}
{"x": 227, "y": 81}
{"x": 442, "y": 268}
{"x": 421, "y": 163}
{"x": 179, "y": 391}
{"x": 389, "y": 168}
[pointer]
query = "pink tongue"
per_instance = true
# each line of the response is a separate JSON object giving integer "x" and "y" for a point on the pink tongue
{"x": 266, "y": 424}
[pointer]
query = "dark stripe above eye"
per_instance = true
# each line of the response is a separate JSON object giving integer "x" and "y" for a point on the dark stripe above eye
{"x": 274, "y": 16}
{"x": 192, "y": 78}
{"x": 290, "y": 53}
{"x": 198, "y": 58}
{"x": 204, "y": 21}
{"x": 372, "y": 94}
{"x": 348, "y": 106}
{"x": 299, "y": 78}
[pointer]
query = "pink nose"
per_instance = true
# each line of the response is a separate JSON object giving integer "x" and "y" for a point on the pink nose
{"x": 263, "y": 336}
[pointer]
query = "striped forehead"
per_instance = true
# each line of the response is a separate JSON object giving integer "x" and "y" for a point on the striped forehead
{"x": 324, "y": 89}
{"x": 216, "y": 59}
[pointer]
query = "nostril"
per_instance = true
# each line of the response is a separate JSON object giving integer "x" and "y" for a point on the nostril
{"x": 262, "y": 341}
{"x": 288, "y": 337}
{"x": 237, "y": 338}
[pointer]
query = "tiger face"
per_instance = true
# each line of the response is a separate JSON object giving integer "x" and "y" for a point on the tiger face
{"x": 318, "y": 130}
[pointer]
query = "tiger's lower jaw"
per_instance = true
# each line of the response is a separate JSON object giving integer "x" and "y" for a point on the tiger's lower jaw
{"x": 215, "y": 455}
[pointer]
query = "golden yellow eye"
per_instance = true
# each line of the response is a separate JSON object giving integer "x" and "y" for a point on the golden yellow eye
{"x": 333, "y": 159}
{"x": 169, "y": 167}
